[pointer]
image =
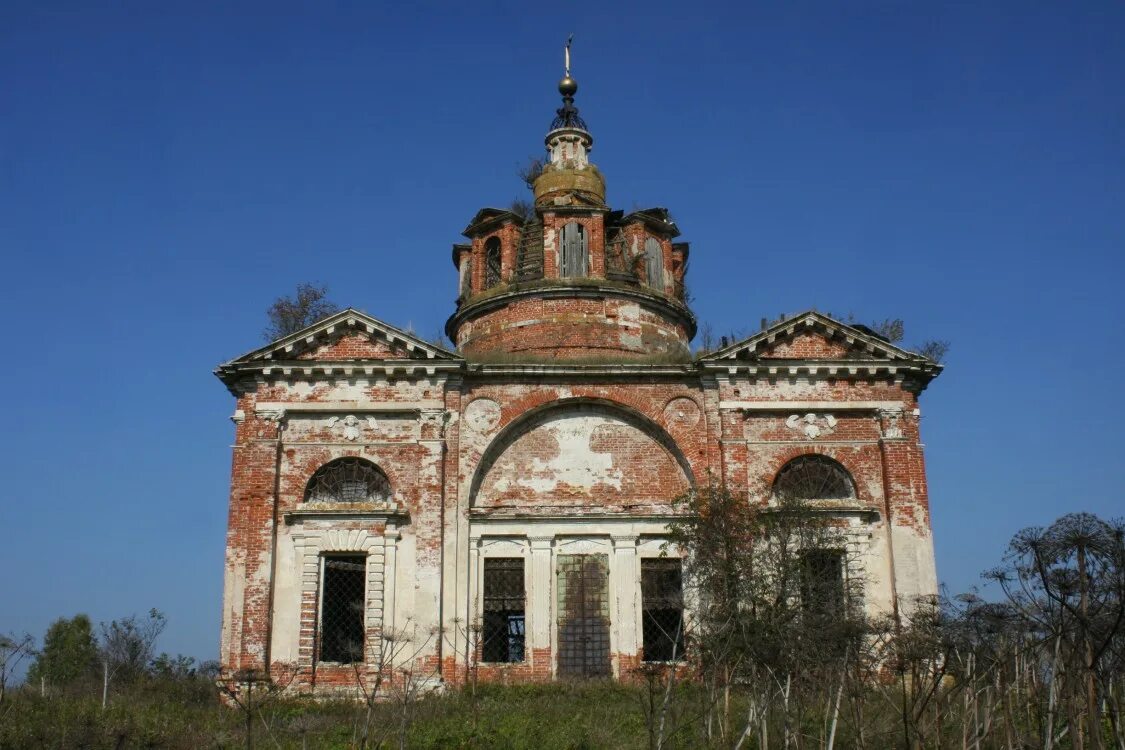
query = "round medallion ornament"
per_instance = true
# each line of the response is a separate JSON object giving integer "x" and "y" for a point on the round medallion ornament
{"x": 482, "y": 415}
{"x": 681, "y": 412}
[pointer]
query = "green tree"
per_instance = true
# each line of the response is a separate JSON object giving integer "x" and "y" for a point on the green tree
{"x": 127, "y": 645}
{"x": 69, "y": 653}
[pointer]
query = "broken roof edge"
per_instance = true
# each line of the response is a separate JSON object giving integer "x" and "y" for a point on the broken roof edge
{"x": 486, "y": 217}
{"x": 657, "y": 217}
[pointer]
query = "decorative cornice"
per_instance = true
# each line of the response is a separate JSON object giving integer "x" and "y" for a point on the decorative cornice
{"x": 875, "y": 348}
{"x": 336, "y": 407}
{"x": 921, "y": 369}
{"x": 578, "y": 371}
{"x": 485, "y": 516}
{"x": 357, "y": 512}
{"x": 812, "y": 406}
{"x": 348, "y": 320}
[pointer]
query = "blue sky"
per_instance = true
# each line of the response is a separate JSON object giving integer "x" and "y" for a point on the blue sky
{"x": 167, "y": 170}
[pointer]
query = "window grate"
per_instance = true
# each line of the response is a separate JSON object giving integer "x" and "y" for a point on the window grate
{"x": 822, "y": 581}
{"x": 813, "y": 478}
{"x": 503, "y": 626}
{"x": 583, "y": 616}
{"x": 348, "y": 480}
{"x": 343, "y": 586}
{"x": 662, "y": 609}
{"x": 491, "y": 262}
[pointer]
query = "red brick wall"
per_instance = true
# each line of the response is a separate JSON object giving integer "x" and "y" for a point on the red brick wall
{"x": 575, "y": 327}
{"x": 351, "y": 346}
{"x": 806, "y": 346}
{"x": 625, "y": 468}
{"x": 249, "y": 536}
{"x": 652, "y": 420}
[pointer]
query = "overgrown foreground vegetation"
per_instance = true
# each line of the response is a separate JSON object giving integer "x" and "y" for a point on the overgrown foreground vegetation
{"x": 780, "y": 653}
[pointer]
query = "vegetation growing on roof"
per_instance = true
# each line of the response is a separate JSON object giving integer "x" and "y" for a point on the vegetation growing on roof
{"x": 287, "y": 315}
{"x": 891, "y": 330}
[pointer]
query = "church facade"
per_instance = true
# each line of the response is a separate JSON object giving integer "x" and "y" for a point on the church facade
{"x": 502, "y": 509}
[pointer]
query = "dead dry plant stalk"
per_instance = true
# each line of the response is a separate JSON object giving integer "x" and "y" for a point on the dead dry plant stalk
{"x": 394, "y": 649}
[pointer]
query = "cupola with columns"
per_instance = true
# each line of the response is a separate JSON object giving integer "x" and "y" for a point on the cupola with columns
{"x": 574, "y": 280}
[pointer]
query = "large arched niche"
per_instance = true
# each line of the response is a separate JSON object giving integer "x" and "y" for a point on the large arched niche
{"x": 579, "y": 454}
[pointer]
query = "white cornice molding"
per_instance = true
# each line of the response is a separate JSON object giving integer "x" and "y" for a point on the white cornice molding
{"x": 364, "y": 513}
{"x": 331, "y": 407}
{"x": 814, "y": 406}
{"x": 812, "y": 320}
{"x": 484, "y": 369}
{"x": 819, "y": 368}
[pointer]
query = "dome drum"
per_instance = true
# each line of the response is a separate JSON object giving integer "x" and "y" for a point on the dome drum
{"x": 594, "y": 321}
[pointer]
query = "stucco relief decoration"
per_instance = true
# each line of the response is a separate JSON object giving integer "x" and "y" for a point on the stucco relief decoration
{"x": 482, "y": 415}
{"x": 681, "y": 412}
{"x": 350, "y": 425}
{"x": 892, "y": 424}
{"x": 812, "y": 425}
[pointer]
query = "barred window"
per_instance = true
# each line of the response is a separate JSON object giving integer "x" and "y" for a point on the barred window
{"x": 813, "y": 478}
{"x": 348, "y": 480}
{"x": 822, "y": 581}
{"x": 502, "y": 636}
{"x": 662, "y": 610}
{"x": 654, "y": 263}
{"x": 491, "y": 262}
{"x": 343, "y": 582}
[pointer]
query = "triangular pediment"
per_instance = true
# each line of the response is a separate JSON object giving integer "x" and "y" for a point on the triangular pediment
{"x": 813, "y": 336}
{"x": 347, "y": 336}
{"x": 488, "y": 219}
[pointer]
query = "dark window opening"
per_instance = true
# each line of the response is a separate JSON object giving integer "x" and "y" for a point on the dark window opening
{"x": 502, "y": 635}
{"x": 348, "y": 480}
{"x": 813, "y": 477}
{"x": 822, "y": 581}
{"x": 491, "y": 262}
{"x": 342, "y": 608}
{"x": 662, "y": 609}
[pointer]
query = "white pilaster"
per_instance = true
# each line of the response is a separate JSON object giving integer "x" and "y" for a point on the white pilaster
{"x": 390, "y": 578}
{"x": 541, "y": 597}
{"x": 625, "y": 580}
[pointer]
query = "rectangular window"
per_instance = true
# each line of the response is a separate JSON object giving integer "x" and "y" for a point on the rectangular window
{"x": 502, "y": 635}
{"x": 662, "y": 609}
{"x": 342, "y": 588}
{"x": 822, "y": 580}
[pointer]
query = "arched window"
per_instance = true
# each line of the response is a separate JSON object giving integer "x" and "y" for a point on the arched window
{"x": 654, "y": 263}
{"x": 348, "y": 480}
{"x": 813, "y": 478}
{"x": 491, "y": 262}
{"x": 574, "y": 250}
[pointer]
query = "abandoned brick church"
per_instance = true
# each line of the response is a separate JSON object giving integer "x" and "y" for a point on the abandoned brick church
{"x": 505, "y": 505}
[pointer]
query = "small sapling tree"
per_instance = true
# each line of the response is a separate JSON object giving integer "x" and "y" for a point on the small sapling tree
{"x": 290, "y": 314}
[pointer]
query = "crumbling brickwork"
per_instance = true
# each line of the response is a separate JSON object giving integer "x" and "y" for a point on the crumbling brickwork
{"x": 560, "y": 433}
